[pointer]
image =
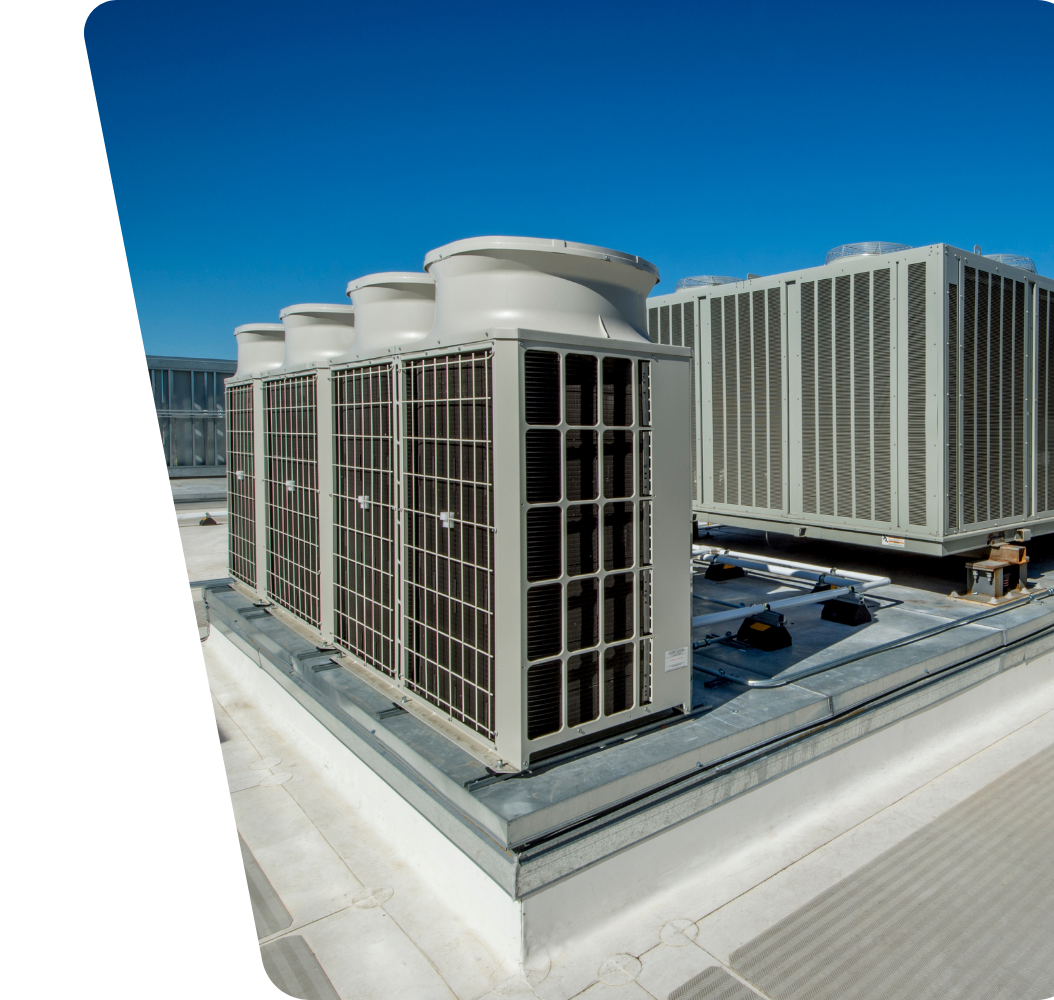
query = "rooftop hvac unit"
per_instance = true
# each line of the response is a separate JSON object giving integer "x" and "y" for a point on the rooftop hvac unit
{"x": 882, "y": 399}
{"x": 508, "y": 496}
{"x": 261, "y": 349}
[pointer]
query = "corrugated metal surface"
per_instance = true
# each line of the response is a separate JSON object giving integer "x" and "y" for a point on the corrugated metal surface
{"x": 291, "y": 454}
{"x": 241, "y": 484}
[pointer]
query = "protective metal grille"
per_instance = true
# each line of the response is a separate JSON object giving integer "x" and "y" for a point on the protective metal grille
{"x": 448, "y": 546}
{"x": 1044, "y": 404}
{"x": 291, "y": 457}
{"x": 992, "y": 471}
{"x": 845, "y": 369}
{"x": 364, "y": 505}
{"x": 746, "y": 355}
{"x": 588, "y": 535}
{"x": 917, "y": 394}
{"x": 241, "y": 484}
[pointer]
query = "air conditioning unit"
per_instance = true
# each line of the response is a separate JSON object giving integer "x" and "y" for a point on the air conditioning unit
{"x": 892, "y": 397}
{"x": 509, "y": 489}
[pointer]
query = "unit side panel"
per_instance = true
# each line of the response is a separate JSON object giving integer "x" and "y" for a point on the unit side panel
{"x": 598, "y": 516}
{"x": 448, "y": 537}
{"x": 794, "y": 406}
{"x": 241, "y": 483}
{"x": 365, "y": 617}
{"x": 291, "y": 469}
{"x": 1044, "y": 407}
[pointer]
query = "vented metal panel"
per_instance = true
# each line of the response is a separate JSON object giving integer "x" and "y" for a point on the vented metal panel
{"x": 747, "y": 399}
{"x": 845, "y": 371}
{"x": 992, "y": 471}
{"x": 1044, "y": 404}
{"x": 954, "y": 419}
{"x": 448, "y": 561}
{"x": 583, "y": 606}
{"x": 689, "y": 341}
{"x": 917, "y": 394}
{"x": 653, "y": 324}
{"x": 364, "y": 505}
{"x": 241, "y": 484}
{"x": 291, "y": 455}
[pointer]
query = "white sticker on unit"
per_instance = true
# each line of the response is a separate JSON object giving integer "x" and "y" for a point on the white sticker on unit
{"x": 892, "y": 540}
{"x": 676, "y": 658}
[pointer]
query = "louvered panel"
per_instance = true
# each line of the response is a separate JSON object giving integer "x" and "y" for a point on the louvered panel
{"x": 664, "y": 324}
{"x": 808, "y": 396}
{"x": 544, "y": 682}
{"x": 544, "y": 621}
{"x": 1044, "y": 417}
{"x": 541, "y": 387}
{"x": 1018, "y": 407}
{"x": 583, "y": 688}
{"x": 653, "y": 324}
{"x": 825, "y": 396}
{"x": 775, "y": 405}
{"x": 543, "y": 543}
{"x": 970, "y": 449}
{"x": 760, "y": 392}
{"x": 883, "y": 475}
{"x": 717, "y": 391}
{"x": 862, "y": 506}
{"x": 689, "y": 341}
{"x": 954, "y": 421}
{"x": 542, "y": 453}
{"x": 1003, "y": 484}
{"x": 676, "y": 334}
{"x": 732, "y": 402}
{"x": 746, "y": 416}
{"x": 843, "y": 398}
{"x": 583, "y": 613}
{"x": 917, "y": 394}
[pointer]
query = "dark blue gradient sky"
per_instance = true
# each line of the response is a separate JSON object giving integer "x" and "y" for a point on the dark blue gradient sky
{"x": 265, "y": 153}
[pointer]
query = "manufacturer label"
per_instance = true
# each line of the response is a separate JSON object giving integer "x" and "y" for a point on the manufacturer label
{"x": 891, "y": 540}
{"x": 676, "y": 658}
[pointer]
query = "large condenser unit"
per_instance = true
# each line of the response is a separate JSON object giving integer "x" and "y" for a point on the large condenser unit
{"x": 894, "y": 396}
{"x": 500, "y": 492}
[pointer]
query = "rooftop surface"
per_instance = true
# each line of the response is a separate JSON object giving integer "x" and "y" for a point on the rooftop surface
{"x": 344, "y": 923}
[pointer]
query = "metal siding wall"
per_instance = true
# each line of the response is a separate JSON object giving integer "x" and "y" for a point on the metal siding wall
{"x": 364, "y": 513}
{"x": 883, "y": 465}
{"x": 775, "y": 404}
{"x": 808, "y": 383}
{"x": 291, "y": 458}
{"x": 241, "y": 485}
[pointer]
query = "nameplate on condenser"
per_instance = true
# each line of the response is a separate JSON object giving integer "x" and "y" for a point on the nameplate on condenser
{"x": 676, "y": 658}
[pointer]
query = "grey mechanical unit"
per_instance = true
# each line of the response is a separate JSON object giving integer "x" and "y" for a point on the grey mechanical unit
{"x": 894, "y": 396}
{"x": 474, "y": 481}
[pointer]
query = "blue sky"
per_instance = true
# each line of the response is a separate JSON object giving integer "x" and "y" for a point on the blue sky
{"x": 265, "y": 153}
